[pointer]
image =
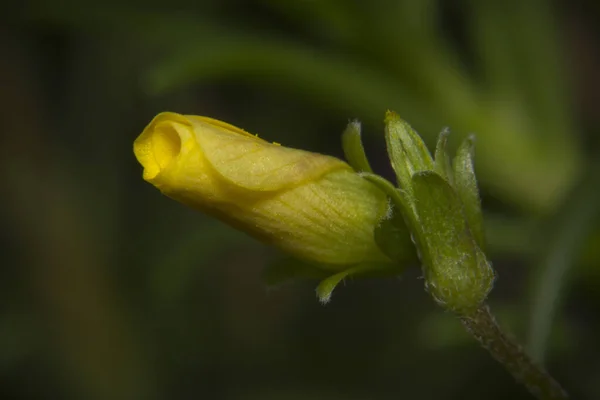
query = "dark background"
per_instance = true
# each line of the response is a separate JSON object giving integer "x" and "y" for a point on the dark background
{"x": 109, "y": 290}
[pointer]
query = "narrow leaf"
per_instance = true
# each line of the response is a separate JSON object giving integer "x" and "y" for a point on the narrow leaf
{"x": 569, "y": 231}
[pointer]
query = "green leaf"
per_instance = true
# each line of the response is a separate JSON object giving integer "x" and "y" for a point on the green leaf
{"x": 353, "y": 148}
{"x": 521, "y": 58}
{"x": 456, "y": 271}
{"x": 328, "y": 79}
{"x": 286, "y": 269}
{"x": 465, "y": 184}
{"x": 330, "y": 20}
{"x": 570, "y": 228}
{"x": 442, "y": 163}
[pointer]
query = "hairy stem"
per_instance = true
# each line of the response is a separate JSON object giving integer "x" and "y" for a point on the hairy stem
{"x": 482, "y": 325}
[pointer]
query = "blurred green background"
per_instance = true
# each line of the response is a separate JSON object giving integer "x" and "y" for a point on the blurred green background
{"x": 109, "y": 290}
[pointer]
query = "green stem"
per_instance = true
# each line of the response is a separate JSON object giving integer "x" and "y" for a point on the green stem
{"x": 482, "y": 325}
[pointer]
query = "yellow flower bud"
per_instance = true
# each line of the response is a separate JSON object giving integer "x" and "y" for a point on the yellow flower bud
{"x": 310, "y": 205}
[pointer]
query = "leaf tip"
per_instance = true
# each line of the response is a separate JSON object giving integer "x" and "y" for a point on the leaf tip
{"x": 324, "y": 299}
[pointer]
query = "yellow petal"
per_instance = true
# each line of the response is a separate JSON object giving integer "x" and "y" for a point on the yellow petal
{"x": 161, "y": 143}
{"x": 254, "y": 164}
{"x": 330, "y": 220}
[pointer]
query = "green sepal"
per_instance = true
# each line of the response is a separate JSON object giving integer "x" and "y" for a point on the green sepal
{"x": 285, "y": 269}
{"x": 393, "y": 238}
{"x": 354, "y": 149}
{"x": 442, "y": 164}
{"x": 404, "y": 203}
{"x": 326, "y": 286}
{"x": 289, "y": 269}
{"x": 400, "y": 198}
{"x": 456, "y": 271}
{"x": 407, "y": 151}
{"x": 465, "y": 184}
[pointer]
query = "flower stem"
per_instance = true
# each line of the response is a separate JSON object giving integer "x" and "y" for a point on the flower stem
{"x": 482, "y": 325}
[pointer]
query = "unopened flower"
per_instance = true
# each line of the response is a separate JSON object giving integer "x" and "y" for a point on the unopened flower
{"x": 313, "y": 206}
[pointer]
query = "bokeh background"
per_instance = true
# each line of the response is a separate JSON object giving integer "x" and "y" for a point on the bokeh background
{"x": 109, "y": 290}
